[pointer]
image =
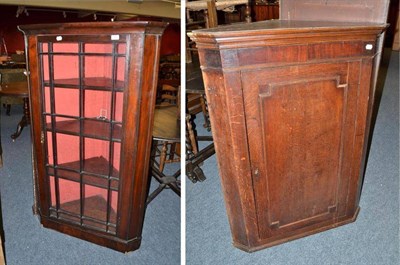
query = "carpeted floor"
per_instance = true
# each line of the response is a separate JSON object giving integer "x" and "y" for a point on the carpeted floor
{"x": 372, "y": 239}
{"x": 28, "y": 243}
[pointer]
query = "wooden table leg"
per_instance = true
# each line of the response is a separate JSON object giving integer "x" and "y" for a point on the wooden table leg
{"x": 26, "y": 120}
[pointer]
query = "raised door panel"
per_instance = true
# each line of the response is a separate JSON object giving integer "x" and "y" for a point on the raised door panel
{"x": 297, "y": 119}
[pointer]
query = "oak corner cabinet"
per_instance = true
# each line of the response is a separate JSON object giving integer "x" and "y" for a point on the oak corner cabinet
{"x": 290, "y": 106}
{"x": 92, "y": 95}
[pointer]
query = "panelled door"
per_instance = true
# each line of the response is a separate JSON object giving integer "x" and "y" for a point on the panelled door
{"x": 299, "y": 119}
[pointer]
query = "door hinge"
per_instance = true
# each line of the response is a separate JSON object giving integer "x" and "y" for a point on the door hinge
{"x": 42, "y": 137}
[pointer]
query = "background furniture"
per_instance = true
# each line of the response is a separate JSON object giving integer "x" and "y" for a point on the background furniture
{"x": 166, "y": 145}
{"x": 298, "y": 124}
{"x": 195, "y": 156}
{"x": 166, "y": 132}
{"x": 265, "y": 10}
{"x": 8, "y": 75}
{"x": 203, "y": 14}
{"x": 92, "y": 94}
{"x": 18, "y": 90}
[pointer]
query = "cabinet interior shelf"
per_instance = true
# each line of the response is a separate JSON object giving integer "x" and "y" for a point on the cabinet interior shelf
{"x": 95, "y": 207}
{"x": 97, "y": 83}
{"x": 84, "y": 54}
{"x": 97, "y": 129}
{"x": 95, "y": 172}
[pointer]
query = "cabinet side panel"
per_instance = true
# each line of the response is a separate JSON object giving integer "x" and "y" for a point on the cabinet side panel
{"x": 231, "y": 174}
{"x": 361, "y": 134}
{"x": 36, "y": 110}
{"x": 349, "y": 134}
{"x": 129, "y": 154}
{"x": 148, "y": 77}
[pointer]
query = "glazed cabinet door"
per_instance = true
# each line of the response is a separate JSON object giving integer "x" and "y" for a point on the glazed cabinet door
{"x": 82, "y": 90}
{"x": 299, "y": 119}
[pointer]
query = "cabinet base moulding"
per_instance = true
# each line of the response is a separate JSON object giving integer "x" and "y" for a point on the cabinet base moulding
{"x": 310, "y": 230}
{"x": 91, "y": 236}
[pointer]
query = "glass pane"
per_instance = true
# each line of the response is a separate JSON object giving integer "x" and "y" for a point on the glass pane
{"x": 49, "y": 150}
{"x": 121, "y": 48}
{"x": 120, "y": 70}
{"x": 68, "y": 150}
{"x": 48, "y": 121}
{"x": 66, "y": 47}
{"x": 96, "y": 156}
{"x": 119, "y": 100}
{"x": 116, "y": 159}
{"x": 45, "y": 67}
{"x": 66, "y": 66}
{"x": 47, "y": 101}
{"x": 69, "y": 196}
{"x": 98, "y": 48}
{"x": 52, "y": 191}
{"x": 95, "y": 205}
{"x": 114, "y": 207}
{"x": 66, "y": 101}
{"x": 97, "y": 104}
{"x": 98, "y": 66}
{"x": 45, "y": 47}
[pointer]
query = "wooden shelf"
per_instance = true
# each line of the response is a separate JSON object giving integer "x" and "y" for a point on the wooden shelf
{"x": 97, "y": 83}
{"x": 94, "y": 213}
{"x": 97, "y": 129}
{"x": 94, "y": 165}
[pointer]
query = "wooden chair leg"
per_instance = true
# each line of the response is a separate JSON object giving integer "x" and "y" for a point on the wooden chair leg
{"x": 163, "y": 157}
{"x": 190, "y": 132}
{"x": 203, "y": 103}
{"x": 172, "y": 151}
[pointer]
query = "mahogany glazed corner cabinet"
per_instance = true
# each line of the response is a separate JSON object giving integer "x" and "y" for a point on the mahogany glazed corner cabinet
{"x": 92, "y": 94}
{"x": 290, "y": 106}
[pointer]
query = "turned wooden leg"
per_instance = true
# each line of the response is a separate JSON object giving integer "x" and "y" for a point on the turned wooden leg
{"x": 163, "y": 156}
{"x": 191, "y": 135}
{"x": 204, "y": 109}
{"x": 172, "y": 151}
